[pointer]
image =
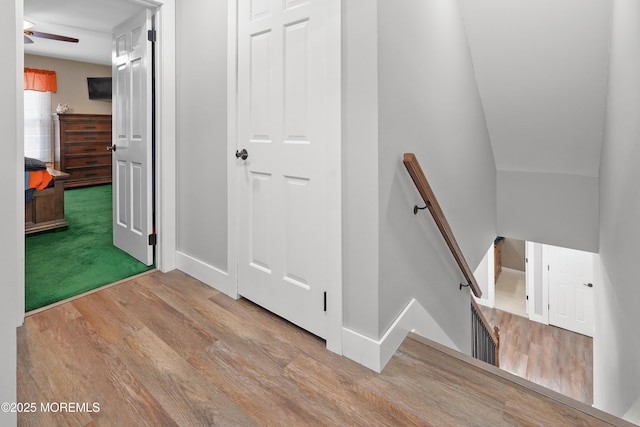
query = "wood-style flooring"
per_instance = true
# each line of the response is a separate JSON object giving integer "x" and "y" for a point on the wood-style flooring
{"x": 553, "y": 357}
{"x": 167, "y": 350}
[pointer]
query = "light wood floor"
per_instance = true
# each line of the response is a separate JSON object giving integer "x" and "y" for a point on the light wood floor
{"x": 552, "y": 357}
{"x": 166, "y": 350}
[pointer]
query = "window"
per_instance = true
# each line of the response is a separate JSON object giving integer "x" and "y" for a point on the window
{"x": 37, "y": 125}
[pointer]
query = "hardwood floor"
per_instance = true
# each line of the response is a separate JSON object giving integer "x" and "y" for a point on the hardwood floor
{"x": 552, "y": 357}
{"x": 165, "y": 350}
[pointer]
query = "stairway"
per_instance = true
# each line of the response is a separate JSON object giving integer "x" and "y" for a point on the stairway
{"x": 455, "y": 389}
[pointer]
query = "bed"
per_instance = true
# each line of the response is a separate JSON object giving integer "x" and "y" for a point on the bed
{"x": 44, "y": 208}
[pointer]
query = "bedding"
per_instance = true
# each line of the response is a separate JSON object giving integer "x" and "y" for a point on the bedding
{"x": 44, "y": 197}
{"x": 36, "y": 177}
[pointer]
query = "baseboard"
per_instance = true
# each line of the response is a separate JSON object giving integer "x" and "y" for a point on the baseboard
{"x": 512, "y": 270}
{"x": 207, "y": 274}
{"x": 375, "y": 354}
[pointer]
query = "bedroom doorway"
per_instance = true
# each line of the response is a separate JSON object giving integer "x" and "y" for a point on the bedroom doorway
{"x": 82, "y": 257}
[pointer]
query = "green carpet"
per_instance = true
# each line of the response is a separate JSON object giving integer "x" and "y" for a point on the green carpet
{"x": 61, "y": 264}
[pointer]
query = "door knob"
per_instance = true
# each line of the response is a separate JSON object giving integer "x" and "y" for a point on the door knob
{"x": 112, "y": 148}
{"x": 242, "y": 154}
{"x": 588, "y": 285}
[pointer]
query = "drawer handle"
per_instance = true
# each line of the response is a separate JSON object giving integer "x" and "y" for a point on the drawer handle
{"x": 90, "y": 127}
{"x": 91, "y": 174}
{"x": 90, "y": 137}
{"x": 91, "y": 162}
{"x": 90, "y": 149}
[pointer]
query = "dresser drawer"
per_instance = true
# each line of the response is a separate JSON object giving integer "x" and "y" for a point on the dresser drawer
{"x": 98, "y": 147}
{"x": 77, "y": 136}
{"x": 89, "y": 125}
{"x": 93, "y": 172}
{"x": 91, "y": 160}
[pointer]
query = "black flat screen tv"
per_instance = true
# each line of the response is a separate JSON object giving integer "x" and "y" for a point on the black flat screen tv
{"x": 99, "y": 87}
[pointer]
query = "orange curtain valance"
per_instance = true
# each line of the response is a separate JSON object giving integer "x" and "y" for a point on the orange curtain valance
{"x": 40, "y": 80}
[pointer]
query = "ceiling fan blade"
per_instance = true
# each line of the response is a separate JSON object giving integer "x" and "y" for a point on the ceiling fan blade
{"x": 53, "y": 37}
{"x": 27, "y": 40}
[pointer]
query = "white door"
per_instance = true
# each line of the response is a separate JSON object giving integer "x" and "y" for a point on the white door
{"x": 571, "y": 289}
{"x": 132, "y": 143}
{"x": 282, "y": 123}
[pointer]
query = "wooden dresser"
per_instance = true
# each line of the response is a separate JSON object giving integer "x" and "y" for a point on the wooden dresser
{"x": 81, "y": 143}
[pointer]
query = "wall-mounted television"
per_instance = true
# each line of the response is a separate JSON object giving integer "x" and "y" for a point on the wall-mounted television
{"x": 99, "y": 87}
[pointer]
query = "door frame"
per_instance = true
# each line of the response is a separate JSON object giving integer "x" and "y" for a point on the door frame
{"x": 532, "y": 265}
{"x": 333, "y": 174}
{"x": 165, "y": 175}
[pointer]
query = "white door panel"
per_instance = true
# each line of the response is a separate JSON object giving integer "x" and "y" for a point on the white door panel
{"x": 132, "y": 138}
{"x": 571, "y": 289}
{"x": 282, "y": 122}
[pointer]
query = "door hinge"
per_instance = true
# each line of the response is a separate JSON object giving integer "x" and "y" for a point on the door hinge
{"x": 325, "y": 301}
{"x": 548, "y": 268}
{"x": 548, "y": 306}
{"x": 527, "y": 297}
{"x": 153, "y": 239}
{"x": 151, "y": 35}
{"x": 526, "y": 260}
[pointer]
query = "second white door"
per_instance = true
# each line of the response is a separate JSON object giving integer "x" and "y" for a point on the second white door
{"x": 282, "y": 178}
{"x": 571, "y": 289}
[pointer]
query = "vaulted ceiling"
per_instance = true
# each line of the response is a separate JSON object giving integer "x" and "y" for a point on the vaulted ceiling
{"x": 540, "y": 66}
{"x": 541, "y": 69}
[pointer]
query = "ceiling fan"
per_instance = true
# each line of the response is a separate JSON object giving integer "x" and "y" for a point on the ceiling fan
{"x": 27, "y": 32}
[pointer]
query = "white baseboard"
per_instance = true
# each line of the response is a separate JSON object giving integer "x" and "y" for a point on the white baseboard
{"x": 512, "y": 270}
{"x": 375, "y": 354}
{"x": 206, "y": 273}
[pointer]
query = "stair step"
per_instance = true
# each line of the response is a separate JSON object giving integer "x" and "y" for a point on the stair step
{"x": 483, "y": 392}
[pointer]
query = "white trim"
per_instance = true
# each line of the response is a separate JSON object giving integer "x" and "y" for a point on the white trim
{"x": 334, "y": 178}
{"x": 531, "y": 284}
{"x": 165, "y": 133}
{"x": 208, "y": 274}
{"x": 232, "y": 144}
{"x": 545, "y": 284}
{"x": 513, "y": 270}
{"x": 19, "y": 194}
{"x": 375, "y": 354}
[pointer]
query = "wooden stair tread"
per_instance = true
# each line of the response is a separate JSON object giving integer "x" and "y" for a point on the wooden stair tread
{"x": 476, "y": 381}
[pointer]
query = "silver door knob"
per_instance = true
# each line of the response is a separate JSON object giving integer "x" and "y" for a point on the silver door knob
{"x": 588, "y": 285}
{"x": 112, "y": 148}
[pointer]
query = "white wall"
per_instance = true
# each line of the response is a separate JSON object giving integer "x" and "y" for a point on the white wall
{"x": 485, "y": 276}
{"x": 360, "y": 166}
{"x": 541, "y": 67}
{"x": 429, "y": 105}
{"x": 11, "y": 212}
{"x": 556, "y": 209}
{"x": 616, "y": 370}
{"x": 202, "y": 138}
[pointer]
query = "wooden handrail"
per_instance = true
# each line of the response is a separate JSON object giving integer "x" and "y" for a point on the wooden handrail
{"x": 415, "y": 171}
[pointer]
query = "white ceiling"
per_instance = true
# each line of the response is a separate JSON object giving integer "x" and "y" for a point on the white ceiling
{"x": 541, "y": 69}
{"x": 90, "y": 21}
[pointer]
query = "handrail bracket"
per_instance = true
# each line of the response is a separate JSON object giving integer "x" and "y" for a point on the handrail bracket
{"x": 416, "y": 207}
